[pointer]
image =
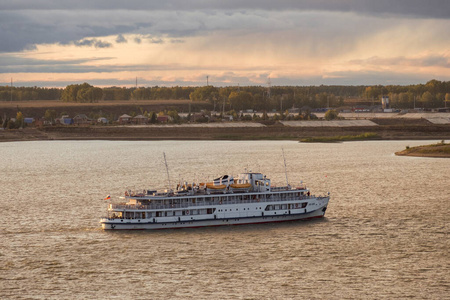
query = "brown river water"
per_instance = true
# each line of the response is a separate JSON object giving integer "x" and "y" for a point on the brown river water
{"x": 385, "y": 234}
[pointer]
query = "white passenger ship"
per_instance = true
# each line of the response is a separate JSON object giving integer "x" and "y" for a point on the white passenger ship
{"x": 250, "y": 199}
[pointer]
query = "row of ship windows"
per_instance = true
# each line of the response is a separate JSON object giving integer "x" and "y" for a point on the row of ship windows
{"x": 143, "y": 215}
{"x": 233, "y": 198}
{"x": 237, "y": 209}
{"x": 147, "y": 215}
{"x": 286, "y": 206}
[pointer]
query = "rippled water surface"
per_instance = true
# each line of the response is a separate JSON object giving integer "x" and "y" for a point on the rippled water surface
{"x": 385, "y": 235}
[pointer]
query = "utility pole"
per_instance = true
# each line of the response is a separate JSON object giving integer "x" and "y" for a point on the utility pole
{"x": 11, "y": 89}
{"x": 207, "y": 83}
{"x": 190, "y": 116}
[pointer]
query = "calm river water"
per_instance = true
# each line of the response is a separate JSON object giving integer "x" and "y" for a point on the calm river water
{"x": 385, "y": 235}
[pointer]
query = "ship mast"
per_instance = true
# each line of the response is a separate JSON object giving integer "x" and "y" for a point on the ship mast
{"x": 285, "y": 168}
{"x": 167, "y": 170}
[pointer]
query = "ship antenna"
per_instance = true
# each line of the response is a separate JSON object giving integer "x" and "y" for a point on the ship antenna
{"x": 167, "y": 169}
{"x": 285, "y": 168}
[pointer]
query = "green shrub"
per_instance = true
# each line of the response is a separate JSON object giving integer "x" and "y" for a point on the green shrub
{"x": 331, "y": 115}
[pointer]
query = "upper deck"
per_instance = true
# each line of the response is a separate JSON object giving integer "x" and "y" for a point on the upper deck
{"x": 205, "y": 192}
{"x": 277, "y": 194}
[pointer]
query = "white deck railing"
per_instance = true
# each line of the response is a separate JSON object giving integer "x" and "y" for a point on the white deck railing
{"x": 206, "y": 203}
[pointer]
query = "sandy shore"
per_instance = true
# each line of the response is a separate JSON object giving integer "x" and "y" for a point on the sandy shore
{"x": 435, "y": 150}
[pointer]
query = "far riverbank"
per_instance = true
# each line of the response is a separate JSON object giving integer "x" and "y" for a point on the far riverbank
{"x": 250, "y": 131}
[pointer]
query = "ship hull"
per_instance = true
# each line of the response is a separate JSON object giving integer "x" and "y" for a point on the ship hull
{"x": 191, "y": 222}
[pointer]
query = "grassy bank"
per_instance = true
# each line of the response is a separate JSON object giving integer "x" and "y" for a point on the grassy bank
{"x": 341, "y": 138}
{"x": 435, "y": 150}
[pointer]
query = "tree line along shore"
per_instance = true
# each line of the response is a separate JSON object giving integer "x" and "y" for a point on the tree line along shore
{"x": 433, "y": 94}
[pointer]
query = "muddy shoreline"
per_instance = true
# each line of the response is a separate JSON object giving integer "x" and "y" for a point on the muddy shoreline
{"x": 272, "y": 132}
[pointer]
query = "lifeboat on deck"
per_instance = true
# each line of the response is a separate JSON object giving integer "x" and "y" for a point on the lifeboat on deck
{"x": 215, "y": 188}
{"x": 240, "y": 187}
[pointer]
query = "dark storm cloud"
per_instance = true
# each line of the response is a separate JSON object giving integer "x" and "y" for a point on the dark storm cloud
{"x": 22, "y": 30}
{"x": 25, "y": 23}
{"x": 19, "y": 33}
{"x": 419, "y": 8}
{"x": 16, "y": 64}
{"x": 120, "y": 39}
{"x": 13, "y": 61}
{"x": 92, "y": 43}
{"x": 155, "y": 41}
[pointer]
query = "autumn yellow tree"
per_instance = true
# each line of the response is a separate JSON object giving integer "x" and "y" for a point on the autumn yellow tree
{"x": 19, "y": 120}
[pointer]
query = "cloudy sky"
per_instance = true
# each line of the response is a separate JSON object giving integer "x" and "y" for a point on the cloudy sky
{"x": 180, "y": 42}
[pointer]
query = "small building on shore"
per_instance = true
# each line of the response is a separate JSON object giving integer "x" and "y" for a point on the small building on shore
{"x": 81, "y": 119}
{"x": 124, "y": 119}
{"x": 140, "y": 120}
{"x": 28, "y": 121}
{"x": 163, "y": 119}
{"x": 102, "y": 120}
{"x": 64, "y": 120}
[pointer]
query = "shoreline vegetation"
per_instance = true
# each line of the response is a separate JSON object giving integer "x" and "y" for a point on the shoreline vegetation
{"x": 342, "y": 138}
{"x": 441, "y": 150}
{"x": 432, "y": 94}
